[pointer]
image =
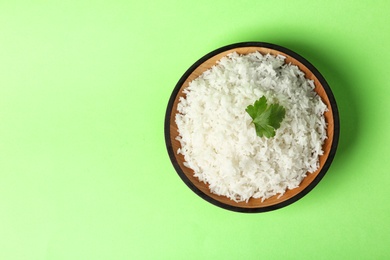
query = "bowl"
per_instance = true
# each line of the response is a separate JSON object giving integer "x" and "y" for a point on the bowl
{"x": 253, "y": 205}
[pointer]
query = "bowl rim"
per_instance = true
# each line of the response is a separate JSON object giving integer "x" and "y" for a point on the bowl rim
{"x": 333, "y": 106}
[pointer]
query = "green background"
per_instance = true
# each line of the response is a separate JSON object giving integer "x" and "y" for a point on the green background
{"x": 84, "y": 172}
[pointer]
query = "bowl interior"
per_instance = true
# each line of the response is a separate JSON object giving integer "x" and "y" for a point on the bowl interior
{"x": 201, "y": 188}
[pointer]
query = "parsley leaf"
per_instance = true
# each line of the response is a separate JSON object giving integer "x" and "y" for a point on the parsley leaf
{"x": 266, "y": 118}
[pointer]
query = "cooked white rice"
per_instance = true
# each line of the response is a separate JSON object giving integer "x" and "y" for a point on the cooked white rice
{"x": 219, "y": 142}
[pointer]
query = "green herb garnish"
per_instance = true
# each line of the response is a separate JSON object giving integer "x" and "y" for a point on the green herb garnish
{"x": 266, "y": 118}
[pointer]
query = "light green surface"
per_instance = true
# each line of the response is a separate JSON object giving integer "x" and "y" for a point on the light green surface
{"x": 84, "y": 173}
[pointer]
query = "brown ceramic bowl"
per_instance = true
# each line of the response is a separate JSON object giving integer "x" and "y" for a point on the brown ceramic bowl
{"x": 253, "y": 205}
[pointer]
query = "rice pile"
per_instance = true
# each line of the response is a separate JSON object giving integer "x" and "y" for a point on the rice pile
{"x": 219, "y": 142}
